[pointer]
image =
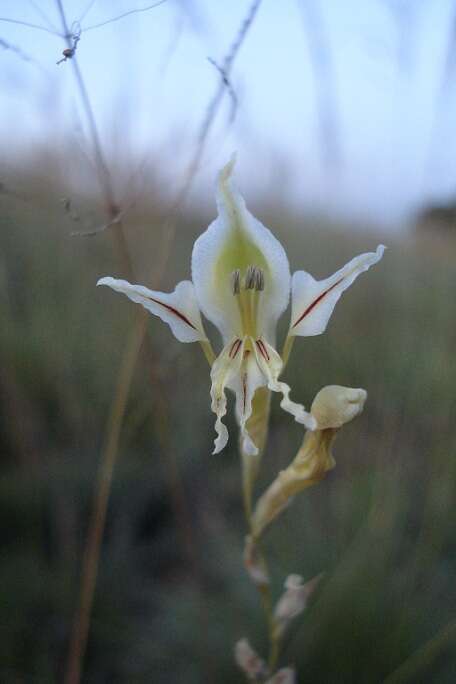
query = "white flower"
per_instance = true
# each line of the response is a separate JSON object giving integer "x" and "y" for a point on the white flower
{"x": 241, "y": 283}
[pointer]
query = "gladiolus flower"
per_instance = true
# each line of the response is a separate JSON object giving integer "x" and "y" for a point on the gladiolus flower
{"x": 241, "y": 283}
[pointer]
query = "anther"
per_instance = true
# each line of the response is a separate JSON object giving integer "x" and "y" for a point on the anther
{"x": 236, "y": 281}
{"x": 250, "y": 278}
{"x": 259, "y": 280}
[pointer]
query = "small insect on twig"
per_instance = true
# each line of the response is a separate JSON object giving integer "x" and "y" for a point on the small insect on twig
{"x": 74, "y": 37}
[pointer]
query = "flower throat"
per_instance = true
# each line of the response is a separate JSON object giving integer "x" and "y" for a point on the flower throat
{"x": 247, "y": 289}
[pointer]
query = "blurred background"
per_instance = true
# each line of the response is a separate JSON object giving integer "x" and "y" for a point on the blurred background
{"x": 342, "y": 115}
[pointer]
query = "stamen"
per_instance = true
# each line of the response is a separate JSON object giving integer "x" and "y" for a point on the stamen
{"x": 236, "y": 281}
{"x": 259, "y": 280}
{"x": 250, "y": 277}
{"x": 248, "y": 288}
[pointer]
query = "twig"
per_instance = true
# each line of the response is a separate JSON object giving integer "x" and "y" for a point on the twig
{"x": 30, "y": 25}
{"x": 87, "y": 28}
{"x": 444, "y": 90}
{"x": 74, "y": 216}
{"x": 98, "y": 517}
{"x": 225, "y": 70}
{"x": 20, "y": 53}
{"x": 125, "y": 14}
{"x": 324, "y": 84}
{"x": 86, "y": 11}
{"x": 226, "y": 81}
{"x": 178, "y": 499}
{"x": 42, "y": 14}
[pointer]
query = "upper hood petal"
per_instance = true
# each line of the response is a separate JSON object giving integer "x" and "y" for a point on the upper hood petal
{"x": 179, "y": 308}
{"x": 237, "y": 240}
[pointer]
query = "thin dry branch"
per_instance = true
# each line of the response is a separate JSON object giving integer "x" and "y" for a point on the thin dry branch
{"x": 325, "y": 87}
{"x": 69, "y": 34}
{"x": 226, "y": 81}
{"x": 225, "y": 71}
{"x": 444, "y": 91}
{"x": 101, "y": 498}
{"x": 39, "y": 10}
{"x": 30, "y": 25}
{"x": 85, "y": 12}
{"x": 20, "y": 53}
{"x": 125, "y": 14}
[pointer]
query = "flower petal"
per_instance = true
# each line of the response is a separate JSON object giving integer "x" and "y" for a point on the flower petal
{"x": 313, "y": 301}
{"x": 237, "y": 240}
{"x": 179, "y": 308}
{"x": 271, "y": 365}
{"x": 224, "y": 369}
{"x": 244, "y": 384}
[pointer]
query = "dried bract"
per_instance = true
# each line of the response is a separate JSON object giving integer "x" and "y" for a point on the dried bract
{"x": 249, "y": 661}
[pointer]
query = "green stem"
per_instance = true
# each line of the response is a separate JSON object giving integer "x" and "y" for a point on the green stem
{"x": 267, "y": 603}
{"x": 264, "y": 590}
{"x": 286, "y": 351}
{"x": 208, "y": 351}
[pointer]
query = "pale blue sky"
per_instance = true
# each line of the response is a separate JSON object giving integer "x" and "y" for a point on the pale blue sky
{"x": 150, "y": 83}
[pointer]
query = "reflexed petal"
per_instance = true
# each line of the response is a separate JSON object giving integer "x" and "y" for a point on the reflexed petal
{"x": 245, "y": 384}
{"x": 237, "y": 240}
{"x": 313, "y": 301}
{"x": 224, "y": 370}
{"x": 271, "y": 365}
{"x": 179, "y": 308}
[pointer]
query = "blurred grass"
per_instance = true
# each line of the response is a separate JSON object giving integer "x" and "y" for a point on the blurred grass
{"x": 381, "y": 526}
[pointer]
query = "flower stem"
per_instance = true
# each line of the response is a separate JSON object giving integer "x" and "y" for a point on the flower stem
{"x": 268, "y": 610}
{"x": 208, "y": 351}
{"x": 286, "y": 351}
{"x": 263, "y": 588}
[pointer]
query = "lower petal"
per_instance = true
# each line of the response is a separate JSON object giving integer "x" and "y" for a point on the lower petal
{"x": 244, "y": 384}
{"x": 271, "y": 365}
{"x": 224, "y": 369}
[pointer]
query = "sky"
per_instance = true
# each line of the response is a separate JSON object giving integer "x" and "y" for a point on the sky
{"x": 339, "y": 104}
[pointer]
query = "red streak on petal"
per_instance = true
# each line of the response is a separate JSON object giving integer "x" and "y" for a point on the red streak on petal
{"x": 262, "y": 348}
{"x": 315, "y": 302}
{"x": 244, "y": 390}
{"x": 172, "y": 310}
{"x": 235, "y": 348}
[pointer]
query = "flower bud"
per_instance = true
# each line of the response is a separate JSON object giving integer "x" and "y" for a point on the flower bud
{"x": 248, "y": 660}
{"x": 335, "y": 405}
{"x": 332, "y": 407}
